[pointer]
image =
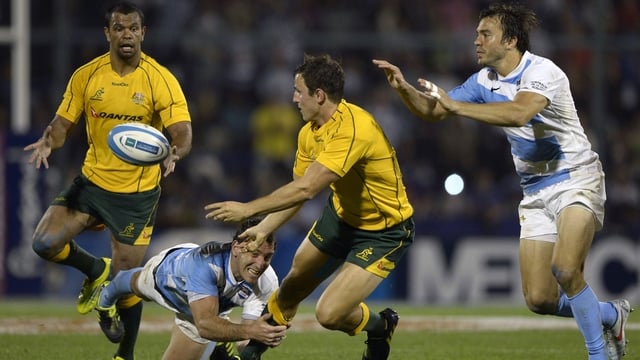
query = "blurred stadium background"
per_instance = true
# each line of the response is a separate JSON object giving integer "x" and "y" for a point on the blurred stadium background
{"x": 235, "y": 60}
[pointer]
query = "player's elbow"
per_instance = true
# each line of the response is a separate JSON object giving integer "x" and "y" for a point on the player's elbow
{"x": 516, "y": 120}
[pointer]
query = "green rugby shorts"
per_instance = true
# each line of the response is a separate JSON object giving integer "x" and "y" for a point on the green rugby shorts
{"x": 129, "y": 217}
{"x": 375, "y": 251}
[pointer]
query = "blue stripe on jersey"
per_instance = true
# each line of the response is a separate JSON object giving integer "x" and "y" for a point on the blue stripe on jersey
{"x": 544, "y": 149}
{"x": 532, "y": 183}
{"x": 552, "y": 143}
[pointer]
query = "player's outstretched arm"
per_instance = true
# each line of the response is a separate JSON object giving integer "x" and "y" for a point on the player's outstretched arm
{"x": 211, "y": 326}
{"x": 52, "y": 138}
{"x": 423, "y": 104}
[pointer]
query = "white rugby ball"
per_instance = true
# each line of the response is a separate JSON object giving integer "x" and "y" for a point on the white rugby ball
{"x": 138, "y": 144}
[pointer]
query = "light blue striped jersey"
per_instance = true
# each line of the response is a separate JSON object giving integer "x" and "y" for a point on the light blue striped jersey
{"x": 551, "y": 145}
{"x": 186, "y": 275}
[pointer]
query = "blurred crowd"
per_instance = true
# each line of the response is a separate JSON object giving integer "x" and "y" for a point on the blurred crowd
{"x": 235, "y": 60}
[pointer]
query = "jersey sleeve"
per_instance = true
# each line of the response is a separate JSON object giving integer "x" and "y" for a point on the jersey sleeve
{"x": 201, "y": 281}
{"x": 469, "y": 91}
{"x": 303, "y": 158}
{"x": 544, "y": 78}
{"x": 72, "y": 105}
{"x": 171, "y": 103}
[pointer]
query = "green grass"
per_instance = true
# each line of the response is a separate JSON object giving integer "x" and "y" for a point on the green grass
{"x": 321, "y": 345}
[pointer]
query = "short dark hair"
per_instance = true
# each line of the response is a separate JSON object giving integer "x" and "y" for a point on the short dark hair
{"x": 323, "y": 72}
{"x": 516, "y": 20}
{"x": 123, "y": 7}
{"x": 214, "y": 247}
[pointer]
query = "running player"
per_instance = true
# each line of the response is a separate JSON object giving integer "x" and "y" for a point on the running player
{"x": 561, "y": 176}
{"x": 367, "y": 223}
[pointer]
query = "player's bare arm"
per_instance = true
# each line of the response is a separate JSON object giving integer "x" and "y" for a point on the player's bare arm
{"x": 516, "y": 113}
{"x": 52, "y": 138}
{"x": 316, "y": 178}
{"x": 416, "y": 101}
{"x": 181, "y": 141}
{"x": 211, "y": 326}
{"x": 254, "y": 236}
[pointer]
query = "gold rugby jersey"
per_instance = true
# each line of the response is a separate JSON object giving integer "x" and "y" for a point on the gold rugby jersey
{"x": 370, "y": 194}
{"x": 149, "y": 95}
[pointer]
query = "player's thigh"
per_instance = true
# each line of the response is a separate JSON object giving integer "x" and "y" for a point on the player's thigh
{"x": 351, "y": 286}
{"x": 576, "y": 228}
{"x": 309, "y": 268}
{"x": 126, "y": 256}
{"x": 59, "y": 225}
{"x": 535, "y": 269}
{"x": 182, "y": 347}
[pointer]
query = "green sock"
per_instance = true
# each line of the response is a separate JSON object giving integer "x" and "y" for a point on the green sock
{"x": 253, "y": 350}
{"x": 131, "y": 320}
{"x": 375, "y": 326}
{"x": 83, "y": 261}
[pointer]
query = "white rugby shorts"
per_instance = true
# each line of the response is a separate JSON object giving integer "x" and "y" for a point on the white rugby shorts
{"x": 538, "y": 212}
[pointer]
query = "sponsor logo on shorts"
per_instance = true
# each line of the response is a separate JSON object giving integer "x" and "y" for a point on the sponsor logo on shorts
{"x": 365, "y": 254}
{"x": 128, "y": 231}
{"x": 385, "y": 265}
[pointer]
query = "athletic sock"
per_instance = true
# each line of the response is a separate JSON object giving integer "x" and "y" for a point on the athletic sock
{"x": 564, "y": 307}
{"x": 130, "y": 318}
{"x": 586, "y": 311}
{"x": 119, "y": 286}
{"x": 608, "y": 313}
{"x": 75, "y": 256}
{"x": 255, "y": 349}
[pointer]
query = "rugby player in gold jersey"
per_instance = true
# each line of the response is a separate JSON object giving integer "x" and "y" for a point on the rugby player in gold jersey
{"x": 123, "y": 85}
{"x": 367, "y": 223}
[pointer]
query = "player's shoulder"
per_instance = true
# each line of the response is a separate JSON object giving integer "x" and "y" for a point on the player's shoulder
{"x": 152, "y": 66}
{"x": 541, "y": 63}
{"x": 268, "y": 281}
{"x": 93, "y": 65}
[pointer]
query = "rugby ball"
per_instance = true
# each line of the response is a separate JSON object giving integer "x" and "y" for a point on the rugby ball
{"x": 138, "y": 144}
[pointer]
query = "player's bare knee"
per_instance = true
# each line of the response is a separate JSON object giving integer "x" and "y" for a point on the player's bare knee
{"x": 43, "y": 245}
{"x": 541, "y": 304}
{"x": 328, "y": 319}
{"x": 565, "y": 276}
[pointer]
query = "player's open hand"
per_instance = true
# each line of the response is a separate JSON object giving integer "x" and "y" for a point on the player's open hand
{"x": 271, "y": 335}
{"x": 435, "y": 93}
{"x": 41, "y": 149}
{"x": 252, "y": 238}
{"x": 227, "y": 211}
{"x": 393, "y": 73}
{"x": 169, "y": 163}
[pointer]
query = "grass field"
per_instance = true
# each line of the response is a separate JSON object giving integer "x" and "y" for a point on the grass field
{"x": 35, "y": 330}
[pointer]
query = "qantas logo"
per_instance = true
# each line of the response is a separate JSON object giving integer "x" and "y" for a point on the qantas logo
{"x": 123, "y": 117}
